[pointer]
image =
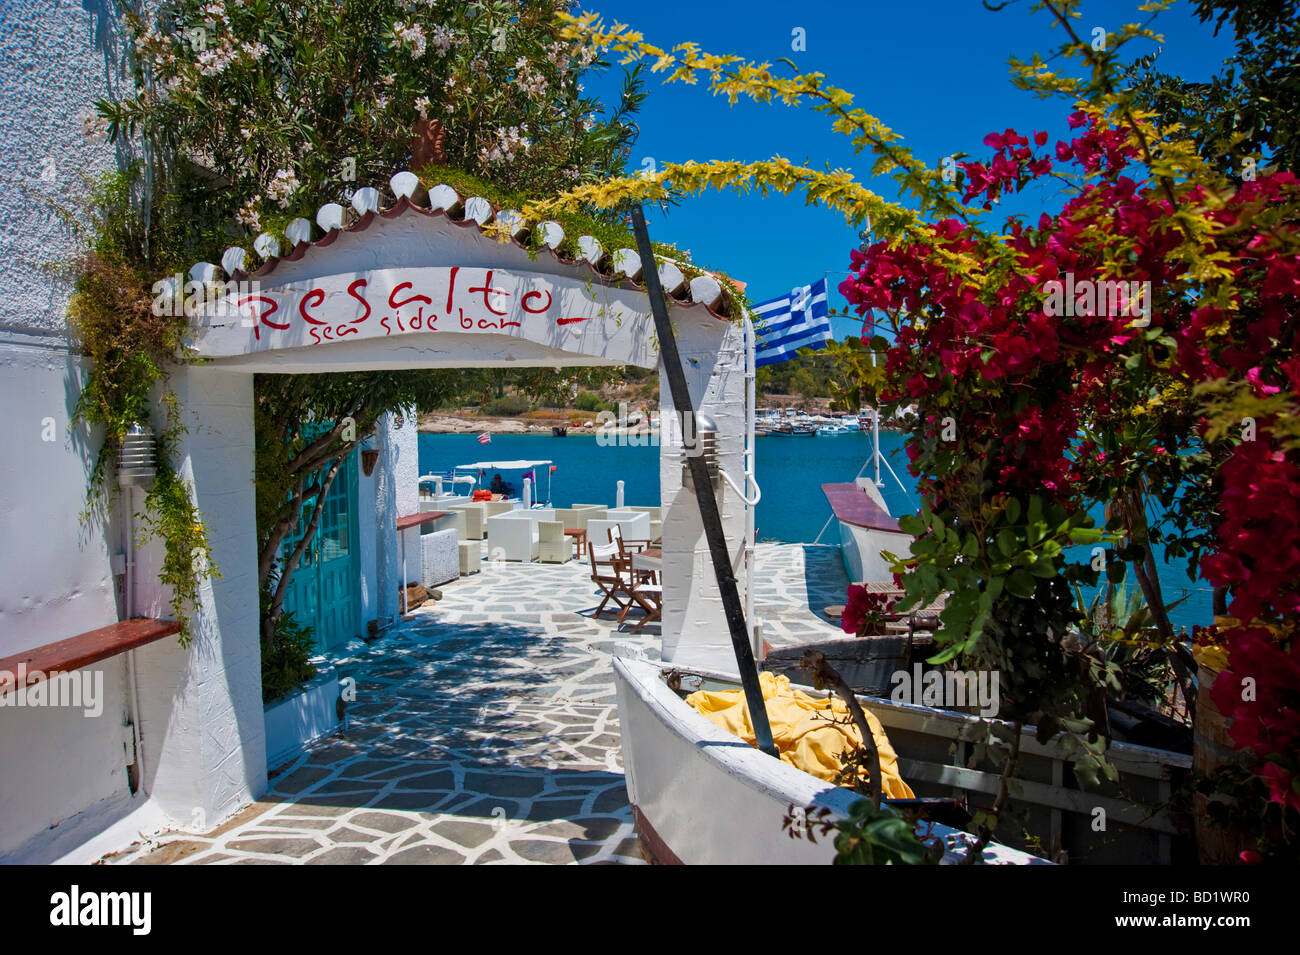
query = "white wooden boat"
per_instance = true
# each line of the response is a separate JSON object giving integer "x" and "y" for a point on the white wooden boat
{"x": 866, "y": 529}
{"x": 701, "y": 796}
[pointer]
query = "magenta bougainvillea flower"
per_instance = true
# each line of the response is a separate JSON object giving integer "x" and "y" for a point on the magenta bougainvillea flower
{"x": 1017, "y": 383}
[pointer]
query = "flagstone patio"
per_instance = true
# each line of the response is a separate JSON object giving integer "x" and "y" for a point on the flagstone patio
{"x": 485, "y": 730}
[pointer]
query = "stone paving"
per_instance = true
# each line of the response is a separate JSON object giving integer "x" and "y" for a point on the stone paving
{"x": 485, "y": 730}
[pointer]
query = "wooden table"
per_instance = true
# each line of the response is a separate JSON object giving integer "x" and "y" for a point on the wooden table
{"x": 579, "y": 536}
{"x": 652, "y": 558}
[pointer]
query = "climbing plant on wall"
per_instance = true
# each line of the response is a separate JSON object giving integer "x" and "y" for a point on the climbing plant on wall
{"x": 250, "y": 113}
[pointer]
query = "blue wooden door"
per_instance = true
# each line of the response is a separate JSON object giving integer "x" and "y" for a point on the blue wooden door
{"x": 324, "y": 592}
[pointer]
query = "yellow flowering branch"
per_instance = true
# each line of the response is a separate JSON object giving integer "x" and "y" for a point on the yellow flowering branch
{"x": 734, "y": 77}
{"x": 836, "y": 190}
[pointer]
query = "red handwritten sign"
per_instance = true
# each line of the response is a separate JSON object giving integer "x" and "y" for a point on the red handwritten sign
{"x": 397, "y": 301}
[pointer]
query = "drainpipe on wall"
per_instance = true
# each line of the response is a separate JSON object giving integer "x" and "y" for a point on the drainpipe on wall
{"x": 135, "y": 466}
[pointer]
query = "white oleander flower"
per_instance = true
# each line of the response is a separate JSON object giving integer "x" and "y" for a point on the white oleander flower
{"x": 248, "y": 215}
{"x": 284, "y": 185}
{"x": 410, "y": 35}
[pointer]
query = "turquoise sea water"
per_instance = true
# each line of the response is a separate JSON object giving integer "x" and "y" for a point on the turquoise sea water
{"x": 790, "y": 472}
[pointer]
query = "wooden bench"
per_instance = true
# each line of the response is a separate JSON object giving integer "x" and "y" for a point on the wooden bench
{"x": 82, "y": 650}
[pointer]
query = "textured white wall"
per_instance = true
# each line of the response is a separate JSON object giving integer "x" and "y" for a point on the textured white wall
{"x": 368, "y": 539}
{"x": 387, "y": 556}
{"x": 63, "y": 770}
{"x": 54, "y": 62}
{"x": 58, "y": 583}
{"x": 406, "y": 465}
{"x": 204, "y": 734}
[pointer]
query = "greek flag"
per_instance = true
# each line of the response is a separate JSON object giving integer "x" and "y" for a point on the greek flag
{"x": 794, "y": 321}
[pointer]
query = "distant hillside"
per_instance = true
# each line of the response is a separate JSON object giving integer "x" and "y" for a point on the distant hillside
{"x": 544, "y": 395}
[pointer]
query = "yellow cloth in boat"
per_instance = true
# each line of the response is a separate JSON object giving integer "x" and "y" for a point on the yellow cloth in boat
{"x": 801, "y": 729}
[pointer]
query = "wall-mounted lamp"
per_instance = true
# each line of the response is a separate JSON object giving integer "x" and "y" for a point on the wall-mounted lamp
{"x": 705, "y": 445}
{"x": 137, "y": 458}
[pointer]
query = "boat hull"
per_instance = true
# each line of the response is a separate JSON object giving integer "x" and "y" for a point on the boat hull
{"x": 700, "y": 796}
{"x": 861, "y": 548}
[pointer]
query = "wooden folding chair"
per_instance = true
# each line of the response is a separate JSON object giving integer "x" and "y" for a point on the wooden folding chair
{"x": 649, "y": 596}
{"x": 626, "y": 546}
{"x": 607, "y": 573}
{"x": 626, "y": 549}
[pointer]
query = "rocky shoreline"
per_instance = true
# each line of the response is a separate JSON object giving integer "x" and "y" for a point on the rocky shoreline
{"x": 470, "y": 421}
{"x": 445, "y": 422}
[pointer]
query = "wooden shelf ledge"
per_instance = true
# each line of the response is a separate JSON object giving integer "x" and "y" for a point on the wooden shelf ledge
{"x": 424, "y": 517}
{"x": 82, "y": 650}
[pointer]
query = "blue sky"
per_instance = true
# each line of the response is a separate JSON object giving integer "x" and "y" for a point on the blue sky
{"x": 936, "y": 72}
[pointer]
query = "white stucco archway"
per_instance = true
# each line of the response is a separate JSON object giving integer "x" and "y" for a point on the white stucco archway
{"x": 422, "y": 287}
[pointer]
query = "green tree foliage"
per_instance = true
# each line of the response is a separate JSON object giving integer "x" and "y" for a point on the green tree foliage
{"x": 1249, "y": 109}
{"x": 812, "y": 374}
{"x": 254, "y": 112}
{"x": 282, "y": 107}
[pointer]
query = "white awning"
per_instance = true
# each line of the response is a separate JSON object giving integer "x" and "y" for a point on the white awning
{"x": 500, "y": 466}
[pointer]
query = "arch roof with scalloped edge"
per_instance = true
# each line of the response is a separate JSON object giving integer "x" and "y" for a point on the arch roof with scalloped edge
{"x": 430, "y": 262}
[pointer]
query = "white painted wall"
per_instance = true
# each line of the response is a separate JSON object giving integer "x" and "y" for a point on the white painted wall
{"x": 65, "y": 775}
{"x": 57, "y": 577}
{"x": 204, "y": 734}
{"x": 388, "y": 573}
{"x": 368, "y": 537}
{"x": 406, "y": 464}
{"x": 390, "y": 491}
{"x": 694, "y": 626}
{"x": 406, "y": 473}
{"x": 54, "y": 62}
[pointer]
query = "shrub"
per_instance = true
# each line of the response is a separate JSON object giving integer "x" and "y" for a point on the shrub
{"x": 508, "y": 406}
{"x": 285, "y": 658}
{"x": 590, "y": 401}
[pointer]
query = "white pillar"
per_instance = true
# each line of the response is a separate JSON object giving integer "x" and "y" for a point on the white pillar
{"x": 618, "y": 495}
{"x": 387, "y": 557}
{"x": 528, "y": 493}
{"x": 202, "y": 720}
{"x": 695, "y": 631}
